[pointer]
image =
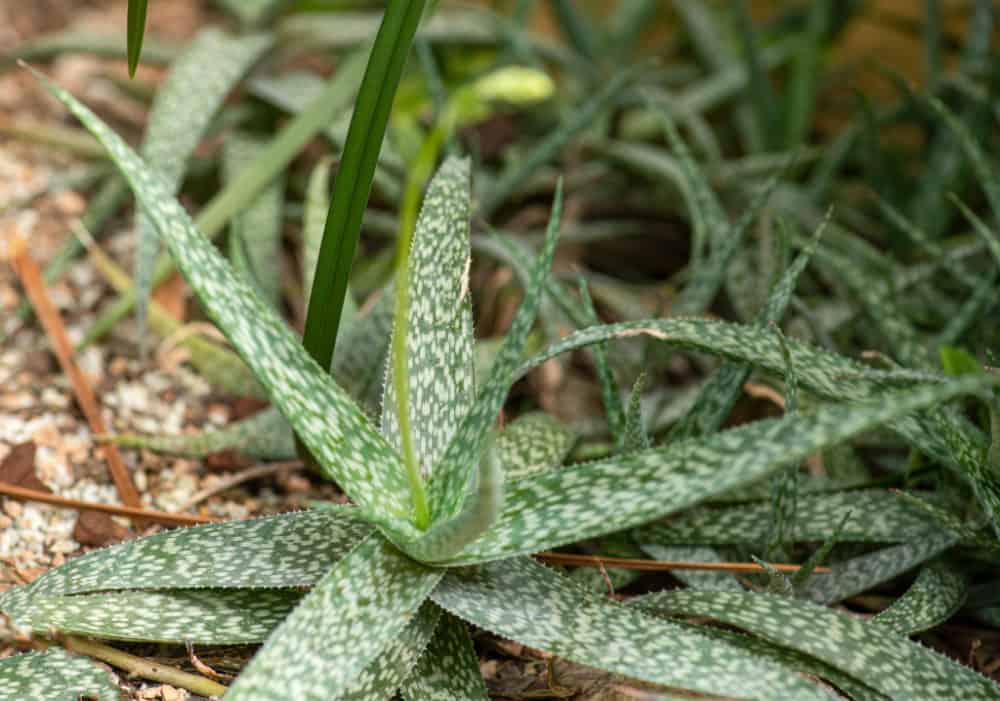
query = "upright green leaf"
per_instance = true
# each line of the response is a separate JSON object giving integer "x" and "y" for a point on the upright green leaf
{"x": 135, "y": 32}
{"x": 313, "y": 222}
{"x": 352, "y": 615}
{"x": 879, "y": 658}
{"x": 54, "y": 675}
{"x": 327, "y": 420}
{"x": 524, "y": 601}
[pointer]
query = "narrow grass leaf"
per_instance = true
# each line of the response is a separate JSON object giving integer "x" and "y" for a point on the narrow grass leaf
{"x": 448, "y": 669}
{"x": 593, "y": 499}
{"x": 317, "y": 653}
{"x": 336, "y": 432}
{"x": 313, "y": 222}
{"x": 135, "y": 32}
{"x": 937, "y": 593}
{"x": 879, "y": 658}
{"x": 524, "y": 601}
{"x": 55, "y": 675}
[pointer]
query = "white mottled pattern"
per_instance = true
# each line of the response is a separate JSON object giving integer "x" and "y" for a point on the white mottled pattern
{"x": 54, "y": 675}
{"x": 449, "y": 668}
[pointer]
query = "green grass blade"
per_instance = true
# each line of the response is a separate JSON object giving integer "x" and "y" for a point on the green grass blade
{"x": 577, "y": 27}
{"x": 341, "y": 627}
{"x": 135, "y": 31}
{"x": 357, "y": 168}
{"x": 203, "y": 616}
{"x": 806, "y": 74}
{"x": 610, "y": 394}
{"x": 255, "y": 233}
{"x": 331, "y": 425}
{"x": 861, "y": 573}
{"x": 289, "y": 550}
{"x": 452, "y": 473}
{"x": 448, "y": 669}
{"x": 879, "y": 658}
{"x": 524, "y": 601}
{"x": 568, "y": 505}
{"x": 313, "y": 222}
{"x": 55, "y": 675}
{"x": 237, "y": 196}
{"x": 197, "y": 84}
{"x": 938, "y": 592}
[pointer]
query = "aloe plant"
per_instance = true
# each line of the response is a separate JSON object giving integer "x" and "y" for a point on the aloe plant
{"x": 387, "y": 592}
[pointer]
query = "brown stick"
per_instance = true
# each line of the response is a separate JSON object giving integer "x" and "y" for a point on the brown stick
{"x": 31, "y": 278}
{"x": 138, "y": 514}
{"x": 664, "y": 565}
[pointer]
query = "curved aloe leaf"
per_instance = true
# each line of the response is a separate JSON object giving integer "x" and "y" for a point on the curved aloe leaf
{"x": 866, "y": 571}
{"x": 448, "y": 669}
{"x": 332, "y": 426}
{"x": 351, "y": 616}
{"x": 593, "y": 499}
{"x": 937, "y": 593}
{"x": 525, "y": 601}
{"x": 195, "y": 87}
{"x": 55, "y": 675}
{"x": 205, "y": 616}
{"x": 533, "y": 443}
{"x": 876, "y": 517}
{"x": 290, "y": 550}
{"x": 879, "y": 658}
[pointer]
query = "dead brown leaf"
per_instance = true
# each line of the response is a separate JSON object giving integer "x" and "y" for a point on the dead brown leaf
{"x": 18, "y": 468}
{"x": 98, "y": 530}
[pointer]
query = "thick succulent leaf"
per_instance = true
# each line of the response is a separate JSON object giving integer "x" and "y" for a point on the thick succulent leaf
{"x": 439, "y": 340}
{"x": 881, "y": 659}
{"x": 527, "y": 602}
{"x": 532, "y": 443}
{"x": 866, "y": 571}
{"x": 593, "y": 499}
{"x": 55, "y": 675}
{"x": 636, "y": 437}
{"x": 876, "y": 516}
{"x": 383, "y": 677}
{"x": 448, "y": 669}
{"x": 289, "y": 550}
{"x": 195, "y": 87}
{"x": 447, "y": 490}
{"x": 359, "y": 358}
{"x": 351, "y": 617}
{"x": 205, "y": 616}
{"x": 265, "y": 435}
{"x": 329, "y": 423}
{"x": 937, "y": 593}
{"x": 255, "y": 233}
{"x": 715, "y": 581}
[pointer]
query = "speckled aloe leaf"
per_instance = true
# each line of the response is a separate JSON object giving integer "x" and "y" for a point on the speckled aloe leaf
{"x": 383, "y": 676}
{"x": 593, "y": 499}
{"x": 714, "y": 581}
{"x": 439, "y": 357}
{"x": 195, "y": 87}
{"x": 636, "y": 437}
{"x": 881, "y": 659}
{"x": 527, "y": 602}
{"x": 55, "y": 675}
{"x": 452, "y": 473}
{"x": 719, "y": 394}
{"x": 205, "y": 616}
{"x": 289, "y": 550}
{"x": 265, "y": 435}
{"x": 329, "y": 423}
{"x": 255, "y": 233}
{"x": 936, "y": 594}
{"x": 861, "y": 573}
{"x": 532, "y": 443}
{"x": 610, "y": 394}
{"x": 351, "y": 616}
{"x": 448, "y": 669}
{"x": 877, "y": 516}
{"x": 359, "y": 359}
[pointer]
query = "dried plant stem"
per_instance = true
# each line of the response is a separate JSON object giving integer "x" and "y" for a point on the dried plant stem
{"x": 138, "y": 514}
{"x": 146, "y": 669}
{"x": 664, "y": 565}
{"x": 31, "y": 278}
